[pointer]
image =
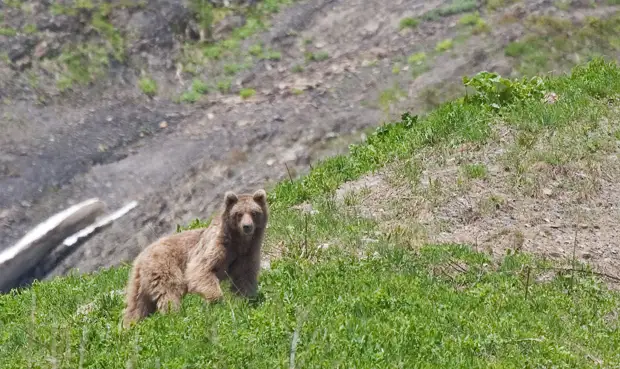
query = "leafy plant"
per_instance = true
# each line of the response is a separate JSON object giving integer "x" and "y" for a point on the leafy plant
{"x": 246, "y": 93}
{"x": 408, "y": 22}
{"x": 475, "y": 171}
{"x": 190, "y": 96}
{"x": 417, "y": 58}
{"x": 7, "y": 31}
{"x": 320, "y": 56}
{"x": 256, "y": 49}
{"x": 444, "y": 45}
{"x": 224, "y": 85}
{"x": 203, "y": 11}
{"x": 469, "y": 19}
{"x": 494, "y": 91}
{"x": 148, "y": 86}
{"x": 199, "y": 86}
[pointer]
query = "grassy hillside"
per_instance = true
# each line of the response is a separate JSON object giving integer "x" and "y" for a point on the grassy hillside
{"x": 341, "y": 291}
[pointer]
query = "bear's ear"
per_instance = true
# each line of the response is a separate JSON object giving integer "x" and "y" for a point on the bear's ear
{"x": 230, "y": 199}
{"x": 260, "y": 196}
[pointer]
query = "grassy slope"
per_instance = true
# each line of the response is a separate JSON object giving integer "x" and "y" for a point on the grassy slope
{"x": 342, "y": 294}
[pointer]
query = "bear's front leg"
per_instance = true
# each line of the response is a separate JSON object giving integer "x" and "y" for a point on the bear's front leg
{"x": 243, "y": 273}
{"x": 206, "y": 285}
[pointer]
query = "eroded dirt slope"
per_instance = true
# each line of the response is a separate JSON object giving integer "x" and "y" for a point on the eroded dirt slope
{"x": 110, "y": 140}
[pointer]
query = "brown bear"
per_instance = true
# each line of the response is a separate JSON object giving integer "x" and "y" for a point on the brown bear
{"x": 195, "y": 261}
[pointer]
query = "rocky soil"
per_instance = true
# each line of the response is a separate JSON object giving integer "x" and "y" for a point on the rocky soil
{"x": 63, "y": 141}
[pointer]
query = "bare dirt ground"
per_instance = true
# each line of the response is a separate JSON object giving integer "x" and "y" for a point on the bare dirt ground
{"x": 500, "y": 198}
{"x": 113, "y": 142}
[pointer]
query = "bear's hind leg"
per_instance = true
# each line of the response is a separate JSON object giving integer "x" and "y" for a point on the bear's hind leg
{"x": 167, "y": 289}
{"x": 139, "y": 305}
{"x": 142, "y": 307}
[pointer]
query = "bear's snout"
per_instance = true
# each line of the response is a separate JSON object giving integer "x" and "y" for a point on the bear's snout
{"x": 248, "y": 228}
{"x": 247, "y": 224}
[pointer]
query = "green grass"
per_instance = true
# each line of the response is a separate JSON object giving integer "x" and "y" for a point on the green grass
{"x": 583, "y": 92}
{"x": 498, "y": 4}
{"x": 224, "y": 85}
{"x": 475, "y": 22}
{"x": 389, "y": 96}
{"x": 83, "y": 64}
{"x": 353, "y": 294}
{"x": 148, "y": 86}
{"x": 396, "y": 68}
{"x": 246, "y": 93}
{"x": 272, "y": 55}
{"x": 416, "y": 58}
{"x": 256, "y": 49}
{"x": 557, "y": 44}
{"x": 456, "y": 7}
{"x": 469, "y": 19}
{"x": 475, "y": 171}
{"x": 7, "y": 31}
{"x": 199, "y": 56}
{"x": 232, "y": 69}
{"x": 190, "y": 96}
{"x": 316, "y": 57}
{"x": 444, "y": 45}
{"x": 199, "y": 86}
{"x": 393, "y": 309}
{"x": 408, "y": 22}
{"x": 30, "y": 28}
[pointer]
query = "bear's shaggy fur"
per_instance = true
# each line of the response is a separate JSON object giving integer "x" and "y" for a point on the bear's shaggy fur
{"x": 196, "y": 261}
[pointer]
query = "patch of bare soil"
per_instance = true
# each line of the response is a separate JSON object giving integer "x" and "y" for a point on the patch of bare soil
{"x": 486, "y": 198}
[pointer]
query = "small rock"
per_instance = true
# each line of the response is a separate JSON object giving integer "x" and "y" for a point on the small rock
{"x": 305, "y": 208}
{"x": 40, "y": 50}
{"x": 108, "y": 119}
{"x": 163, "y": 124}
{"x": 227, "y": 25}
{"x": 265, "y": 264}
{"x": 370, "y": 29}
{"x": 367, "y": 63}
{"x": 323, "y": 246}
{"x": 270, "y": 162}
{"x": 547, "y": 191}
{"x": 556, "y": 254}
{"x": 550, "y": 97}
{"x": 378, "y": 52}
{"x": 210, "y": 116}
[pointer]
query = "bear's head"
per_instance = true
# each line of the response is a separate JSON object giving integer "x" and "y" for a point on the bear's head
{"x": 246, "y": 214}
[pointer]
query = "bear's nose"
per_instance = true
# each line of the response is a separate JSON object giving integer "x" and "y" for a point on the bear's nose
{"x": 247, "y": 228}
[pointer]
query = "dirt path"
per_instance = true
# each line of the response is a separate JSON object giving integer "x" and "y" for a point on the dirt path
{"x": 178, "y": 160}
